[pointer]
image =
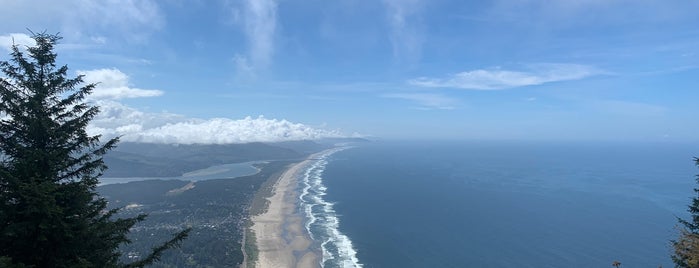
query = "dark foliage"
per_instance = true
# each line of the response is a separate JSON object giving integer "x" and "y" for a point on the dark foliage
{"x": 686, "y": 247}
{"x": 217, "y": 209}
{"x": 50, "y": 213}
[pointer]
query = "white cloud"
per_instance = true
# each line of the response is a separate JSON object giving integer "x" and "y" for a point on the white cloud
{"x": 495, "y": 79}
{"x": 113, "y": 84}
{"x": 116, "y": 119}
{"x": 223, "y": 130}
{"x": 426, "y": 101}
{"x": 259, "y": 21}
{"x": 405, "y": 36}
{"x": 20, "y": 39}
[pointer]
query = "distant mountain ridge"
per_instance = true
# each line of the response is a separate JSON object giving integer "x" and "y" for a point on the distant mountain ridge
{"x": 131, "y": 159}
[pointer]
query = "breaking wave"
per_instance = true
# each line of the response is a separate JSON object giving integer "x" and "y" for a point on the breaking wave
{"x": 322, "y": 220}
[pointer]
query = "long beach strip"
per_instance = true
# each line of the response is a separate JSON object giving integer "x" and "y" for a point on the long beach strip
{"x": 280, "y": 236}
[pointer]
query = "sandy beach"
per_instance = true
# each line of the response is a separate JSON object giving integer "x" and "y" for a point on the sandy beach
{"x": 280, "y": 236}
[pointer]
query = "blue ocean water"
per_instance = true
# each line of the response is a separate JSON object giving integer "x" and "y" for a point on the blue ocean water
{"x": 498, "y": 204}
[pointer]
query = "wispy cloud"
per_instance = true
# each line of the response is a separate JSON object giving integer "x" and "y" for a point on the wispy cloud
{"x": 497, "y": 78}
{"x": 87, "y": 21}
{"x": 403, "y": 22}
{"x": 259, "y": 21}
{"x": 133, "y": 20}
{"x": 426, "y": 101}
{"x": 628, "y": 108}
{"x": 113, "y": 84}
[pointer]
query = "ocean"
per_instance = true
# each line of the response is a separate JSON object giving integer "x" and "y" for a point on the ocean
{"x": 498, "y": 204}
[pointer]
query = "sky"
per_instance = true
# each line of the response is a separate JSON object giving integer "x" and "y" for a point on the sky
{"x": 268, "y": 70}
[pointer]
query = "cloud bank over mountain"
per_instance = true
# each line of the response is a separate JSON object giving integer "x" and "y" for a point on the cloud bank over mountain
{"x": 117, "y": 119}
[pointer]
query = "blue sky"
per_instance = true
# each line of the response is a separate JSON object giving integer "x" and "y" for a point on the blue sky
{"x": 510, "y": 69}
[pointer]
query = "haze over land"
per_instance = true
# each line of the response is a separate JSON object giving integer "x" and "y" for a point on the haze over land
{"x": 204, "y": 72}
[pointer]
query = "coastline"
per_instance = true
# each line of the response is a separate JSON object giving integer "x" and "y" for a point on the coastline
{"x": 279, "y": 235}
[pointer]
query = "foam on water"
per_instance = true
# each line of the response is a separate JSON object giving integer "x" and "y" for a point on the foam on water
{"x": 322, "y": 220}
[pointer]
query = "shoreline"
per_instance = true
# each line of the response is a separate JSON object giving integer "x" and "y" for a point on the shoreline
{"x": 279, "y": 233}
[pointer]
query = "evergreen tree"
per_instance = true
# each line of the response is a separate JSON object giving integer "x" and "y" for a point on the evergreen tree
{"x": 686, "y": 247}
{"x": 50, "y": 212}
